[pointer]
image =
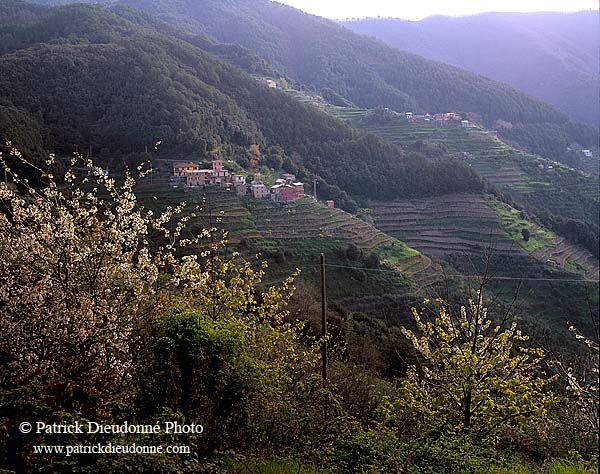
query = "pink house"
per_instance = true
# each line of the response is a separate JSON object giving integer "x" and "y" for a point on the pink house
{"x": 181, "y": 168}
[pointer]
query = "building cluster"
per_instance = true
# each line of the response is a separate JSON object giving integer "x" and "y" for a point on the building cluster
{"x": 439, "y": 118}
{"x": 193, "y": 175}
{"x": 286, "y": 188}
{"x": 445, "y": 117}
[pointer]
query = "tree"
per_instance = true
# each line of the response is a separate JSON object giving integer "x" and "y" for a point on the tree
{"x": 352, "y": 252}
{"x": 107, "y": 310}
{"x": 78, "y": 282}
{"x": 474, "y": 378}
{"x": 525, "y": 233}
{"x": 583, "y": 386}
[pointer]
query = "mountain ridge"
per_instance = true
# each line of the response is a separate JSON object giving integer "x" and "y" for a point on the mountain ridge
{"x": 551, "y": 56}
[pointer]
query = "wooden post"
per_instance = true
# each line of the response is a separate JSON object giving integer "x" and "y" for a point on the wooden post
{"x": 323, "y": 318}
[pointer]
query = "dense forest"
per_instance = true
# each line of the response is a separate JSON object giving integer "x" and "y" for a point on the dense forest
{"x": 324, "y": 55}
{"x": 551, "y": 56}
{"x": 129, "y": 87}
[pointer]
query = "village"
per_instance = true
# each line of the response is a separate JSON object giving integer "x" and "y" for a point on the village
{"x": 192, "y": 175}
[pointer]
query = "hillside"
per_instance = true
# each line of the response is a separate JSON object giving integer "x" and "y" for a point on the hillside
{"x": 186, "y": 103}
{"x": 565, "y": 199}
{"x": 207, "y": 267}
{"x": 551, "y": 56}
{"x": 292, "y": 236}
{"x": 344, "y": 66}
{"x": 130, "y": 87}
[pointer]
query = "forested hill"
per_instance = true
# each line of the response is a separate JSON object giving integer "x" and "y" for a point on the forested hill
{"x": 344, "y": 66}
{"x": 97, "y": 79}
{"x": 552, "y": 56}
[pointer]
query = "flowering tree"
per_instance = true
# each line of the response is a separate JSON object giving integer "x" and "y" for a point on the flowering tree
{"x": 79, "y": 279}
{"x": 583, "y": 386}
{"x": 474, "y": 377}
{"x": 101, "y": 301}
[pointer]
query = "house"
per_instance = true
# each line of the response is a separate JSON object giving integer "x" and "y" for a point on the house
{"x": 259, "y": 191}
{"x": 287, "y": 192}
{"x": 198, "y": 177}
{"x": 298, "y": 190}
{"x": 275, "y": 191}
{"x": 444, "y": 117}
{"x": 181, "y": 168}
{"x": 220, "y": 175}
{"x": 238, "y": 179}
{"x": 288, "y": 177}
{"x": 409, "y": 116}
{"x": 194, "y": 175}
{"x": 269, "y": 83}
{"x": 464, "y": 123}
{"x": 330, "y": 203}
{"x": 587, "y": 153}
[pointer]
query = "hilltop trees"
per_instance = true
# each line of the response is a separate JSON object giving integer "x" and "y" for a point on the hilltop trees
{"x": 131, "y": 85}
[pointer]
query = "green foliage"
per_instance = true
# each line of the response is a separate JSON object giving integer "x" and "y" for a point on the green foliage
{"x": 475, "y": 378}
{"x": 526, "y": 233}
{"x": 371, "y": 451}
{"x": 130, "y": 86}
{"x": 103, "y": 303}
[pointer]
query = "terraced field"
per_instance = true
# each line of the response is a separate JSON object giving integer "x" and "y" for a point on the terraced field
{"x": 523, "y": 176}
{"x": 302, "y": 222}
{"x": 307, "y": 219}
{"x": 456, "y": 224}
{"x": 470, "y": 225}
{"x": 218, "y": 209}
{"x": 570, "y": 257}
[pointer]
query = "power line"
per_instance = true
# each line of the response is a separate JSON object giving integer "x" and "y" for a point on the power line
{"x": 458, "y": 275}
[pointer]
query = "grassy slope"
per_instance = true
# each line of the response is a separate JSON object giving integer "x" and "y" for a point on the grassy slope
{"x": 293, "y": 236}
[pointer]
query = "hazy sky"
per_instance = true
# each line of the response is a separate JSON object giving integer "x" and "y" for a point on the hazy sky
{"x": 418, "y": 9}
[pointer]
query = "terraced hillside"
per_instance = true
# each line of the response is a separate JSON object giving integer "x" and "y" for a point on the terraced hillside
{"x": 307, "y": 219}
{"x": 307, "y": 225}
{"x": 221, "y": 210}
{"x": 455, "y": 224}
{"x": 470, "y": 225}
{"x": 525, "y": 177}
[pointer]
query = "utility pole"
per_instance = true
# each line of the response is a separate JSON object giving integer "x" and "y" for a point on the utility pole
{"x": 323, "y": 319}
{"x": 315, "y": 188}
